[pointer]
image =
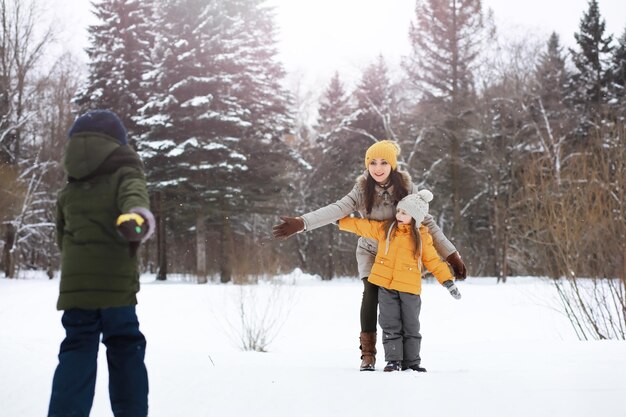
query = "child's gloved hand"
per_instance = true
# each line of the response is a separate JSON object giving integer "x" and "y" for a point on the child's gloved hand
{"x": 132, "y": 226}
{"x": 452, "y": 288}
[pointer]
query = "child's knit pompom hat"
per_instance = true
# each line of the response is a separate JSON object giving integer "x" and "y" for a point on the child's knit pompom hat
{"x": 100, "y": 121}
{"x": 416, "y": 205}
{"x": 385, "y": 149}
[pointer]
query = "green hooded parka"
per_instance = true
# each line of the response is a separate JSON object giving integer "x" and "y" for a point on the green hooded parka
{"x": 105, "y": 179}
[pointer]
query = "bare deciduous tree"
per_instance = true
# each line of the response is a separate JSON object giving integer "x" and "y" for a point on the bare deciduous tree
{"x": 20, "y": 51}
{"x": 577, "y": 224}
{"x": 262, "y": 310}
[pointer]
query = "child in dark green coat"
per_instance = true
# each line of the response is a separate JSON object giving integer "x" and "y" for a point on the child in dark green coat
{"x": 102, "y": 216}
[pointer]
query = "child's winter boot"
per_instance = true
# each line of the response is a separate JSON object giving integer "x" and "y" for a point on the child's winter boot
{"x": 368, "y": 350}
{"x": 415, "y": 368}
{"x": 392, "y": 366}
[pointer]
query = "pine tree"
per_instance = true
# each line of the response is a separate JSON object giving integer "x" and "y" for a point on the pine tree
{"x": 446, "y": 41}
{"x": 368, "y": 122}
{"x": 374, "y": 99}
{"x": 334, "y": 106}
{"x": 589, "y": 86}
{"x": 332, "y": 176}
{"x": 346, "y": 131}
{"x": 254, "y": 79}
{"x": 120, "y": 47}
{"x": 219, "y": 101}
{"x": 618, "y": 73}
{"x": 551, "y": 74}
{"x": 214, "y": 146}
{"x": 178, "y": 114}
{"x": 550, "y": 116}
{"x": 255, "y": 73}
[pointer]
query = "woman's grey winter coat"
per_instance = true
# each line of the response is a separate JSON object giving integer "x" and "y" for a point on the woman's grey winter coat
{"x": 382, "y": 209}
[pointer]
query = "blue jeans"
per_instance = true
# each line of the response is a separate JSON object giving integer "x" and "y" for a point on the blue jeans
{"x": 74, "y": 380}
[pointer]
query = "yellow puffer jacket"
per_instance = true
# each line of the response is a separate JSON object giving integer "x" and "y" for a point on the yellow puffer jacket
{"x": 396, "y": 267}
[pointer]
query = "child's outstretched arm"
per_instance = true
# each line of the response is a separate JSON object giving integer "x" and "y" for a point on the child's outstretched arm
{"x": 434, "y": 264}
{"x": 431, "y": 258}
{"x": 372, "y": 229}
{"x": 136, "y": 222}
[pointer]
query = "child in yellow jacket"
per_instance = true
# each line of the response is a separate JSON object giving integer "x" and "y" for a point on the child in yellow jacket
{"x": 397, "y": 271}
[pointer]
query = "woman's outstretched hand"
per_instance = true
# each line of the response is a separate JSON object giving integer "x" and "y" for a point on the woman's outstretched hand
{"x": 289, "y": 227}
{"x": 460, "y": 271}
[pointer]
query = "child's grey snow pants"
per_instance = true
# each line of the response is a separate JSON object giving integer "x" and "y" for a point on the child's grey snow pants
{"x": 399, "y": 319}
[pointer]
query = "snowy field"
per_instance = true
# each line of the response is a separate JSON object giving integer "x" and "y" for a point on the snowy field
{"x": 502, "y": 350}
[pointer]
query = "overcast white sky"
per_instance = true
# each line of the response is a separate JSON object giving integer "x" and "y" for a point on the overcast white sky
{"x": 318, "y": 37}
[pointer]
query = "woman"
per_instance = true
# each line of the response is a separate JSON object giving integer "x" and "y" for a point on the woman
{"x": 375, "y": 196}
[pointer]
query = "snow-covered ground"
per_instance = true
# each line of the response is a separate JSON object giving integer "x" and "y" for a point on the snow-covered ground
{"x": 502, "y": 350}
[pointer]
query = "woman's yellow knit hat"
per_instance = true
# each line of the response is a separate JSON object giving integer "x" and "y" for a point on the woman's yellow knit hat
{"x": 385, "y": 149}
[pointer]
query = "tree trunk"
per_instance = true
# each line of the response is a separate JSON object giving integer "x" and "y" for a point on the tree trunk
{"x": 497, "y": 242}
{"x": 226, "y": 249}
{"x": 160, "y": 235}
{"x": 505, "y": 251}
{"x": 455, "y": 168}
{"x": 624, "y": 267}
{"x": 9, "y": 243}
{"x": 201, "y": 250}
{"x": 330, "y": 264}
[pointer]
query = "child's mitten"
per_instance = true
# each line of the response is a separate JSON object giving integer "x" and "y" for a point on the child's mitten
{"x": 132, "y": 226}
{"x": 452, "y": 288}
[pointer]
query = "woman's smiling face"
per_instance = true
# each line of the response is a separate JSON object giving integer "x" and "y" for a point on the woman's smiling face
{"x": 380, "y": 170}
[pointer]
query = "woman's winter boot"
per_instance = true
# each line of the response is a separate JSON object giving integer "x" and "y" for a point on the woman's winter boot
{"x": 368, "y": 350}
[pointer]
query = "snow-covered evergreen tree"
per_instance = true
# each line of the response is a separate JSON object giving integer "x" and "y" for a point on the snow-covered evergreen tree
{"x": 253, "y": 76}
{"x": 447, "y": 38}
{"x": 120, "y": 45}
{"x": 218, "y": 102}
{"x": 216, "y": 119}
{"x": 367, "y": 122}
{"x": 189, "y": 115}
{"x": 550, "y": 116}
{"x": 374, "y": 102}
{"x": 589, "y": 85}
{"x": 618, "y": 74}
{"x": 348, "y": 126}
{"x": 551, "y": 74}
{"x": 334, "y": 106}
{"x": 332, "y": 176}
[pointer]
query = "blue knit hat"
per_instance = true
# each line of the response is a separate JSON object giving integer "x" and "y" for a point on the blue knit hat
{"x": 100, "y": 121}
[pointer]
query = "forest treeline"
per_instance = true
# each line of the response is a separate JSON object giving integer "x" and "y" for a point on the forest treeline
{"x": 522, "y": 141}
